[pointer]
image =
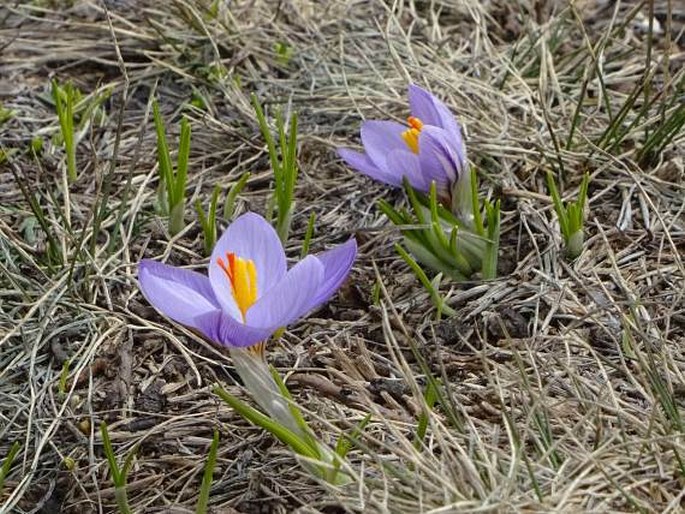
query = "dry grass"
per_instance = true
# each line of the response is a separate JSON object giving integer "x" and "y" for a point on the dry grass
{"x": 565, "y": 382}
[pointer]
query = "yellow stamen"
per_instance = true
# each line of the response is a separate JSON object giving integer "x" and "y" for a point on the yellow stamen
{"x": 414, "y": 122}
{"x": 411, "y": 135}
{"x": 258, "y": 349}
{"x": 242, "y": 275}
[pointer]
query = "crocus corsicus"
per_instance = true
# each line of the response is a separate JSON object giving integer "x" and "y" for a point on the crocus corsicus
{"x": 249, "y": 293}
{"x": 429, "y": 148}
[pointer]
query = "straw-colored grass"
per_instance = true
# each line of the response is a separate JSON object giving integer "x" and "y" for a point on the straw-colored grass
{"x": 564, "y": 382}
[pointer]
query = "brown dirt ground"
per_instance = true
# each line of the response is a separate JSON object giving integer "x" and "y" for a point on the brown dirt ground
{"x": 566, "y": 381}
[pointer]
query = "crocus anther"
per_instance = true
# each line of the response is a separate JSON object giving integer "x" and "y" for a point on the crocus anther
{"x": 411, "y": 135}
{"x": 242, "y": 275}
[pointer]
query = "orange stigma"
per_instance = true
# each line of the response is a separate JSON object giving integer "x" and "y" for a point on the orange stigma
{"x": 411, "y": 135}
{"x": 242, "y": 275}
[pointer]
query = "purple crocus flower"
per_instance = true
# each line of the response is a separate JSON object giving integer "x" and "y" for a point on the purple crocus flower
{"x": 249, "y": 293}
{"x": 430, "y": 148}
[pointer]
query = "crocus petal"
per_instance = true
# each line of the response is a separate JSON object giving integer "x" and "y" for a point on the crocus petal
{"x": 381, "y": 137}
{"x": 427, "y": 107}
{"x": 432, "y": 111}
{"x": 290, "y": 298}
{"x": 251, "y": 237}
{"x": 221, "y": 328}
{"x": 180, "y": 294}
{"x": 406, "y": 164}
{"x": 439, "y": 161}
{"x": 337, "y": 263}
{"x": 363, "y": 164}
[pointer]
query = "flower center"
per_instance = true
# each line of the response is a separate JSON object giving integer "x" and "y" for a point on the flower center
{"x": 411, "y": 135}
{"x": 242, "y": 275}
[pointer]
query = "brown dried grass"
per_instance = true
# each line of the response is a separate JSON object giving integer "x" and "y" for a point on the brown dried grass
{"x": 566, "y": 381}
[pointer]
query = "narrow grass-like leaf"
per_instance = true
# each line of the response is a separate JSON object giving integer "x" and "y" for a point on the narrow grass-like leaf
{"x": 558, "y": 204}
{"x": 423, "y": 278}
{"x": 118, "y": 475}
{"x": 393, "y": 214}
{"x": 64, "y": 98}
{"x": 435, "y": 219}
{"x": 571, "y": 216}
{"x": 283, "y": 158}
{"x": 5, "y": 114}
{"x": 54, "y": 255}
{"x": 286, "y": 436}
{"x": 181, "y": 177}
{"x": 308, "y": 235}
{"x": 306, "y": 432}
{"x": 232, "y": 195}
{"x": 663, "y": 135}
{"x": 63, "y": 377}
{"x": 429, "y": 397}
{"x": 518, "y": 446}
{"x": 163, "y": 160}
{"x": 490, "y": 257}
{"x": 7, "y": 464}
{"x": 173, "y": 183}
{"x": 477, "y": 217}
{"x": 266, "y": 134}
{"x": 208, "y": 220}
{"x": 344, "y": 445}
{"x": 414, "y": 201}
{"x": 208, "y": 475}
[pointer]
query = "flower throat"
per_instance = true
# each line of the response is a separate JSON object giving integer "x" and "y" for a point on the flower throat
{"x": 242, "y": 275}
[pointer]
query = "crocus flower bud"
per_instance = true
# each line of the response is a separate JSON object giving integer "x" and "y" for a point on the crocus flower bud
{"x": 430, "y": 148}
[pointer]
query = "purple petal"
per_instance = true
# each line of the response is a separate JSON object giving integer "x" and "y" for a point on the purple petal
{"x": 251, "y": 237}
{"x": 363, "y": 164}
{"x": 407, "y": 164}
{"x": 422, "y": 106}
{"x": 439, "y": 160}
{"x": 179, "y": 294}
{"x": 227, "y": 331}
{"x": 432, "y": 111}
{"x": 337, "y": 263}
{"x": 290, "y": 298}
{"x": 381, "y": 137}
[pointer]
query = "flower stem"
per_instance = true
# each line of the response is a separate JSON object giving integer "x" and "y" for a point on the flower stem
{"x": 122, "y": 500}
{"x": 258, "y": 380}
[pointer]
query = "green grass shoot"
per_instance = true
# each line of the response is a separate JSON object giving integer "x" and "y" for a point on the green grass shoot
{"x": 344, "y": 445}
{"x": 306, "y": 432}
{"x": 432, "y": 286}
{"x": 571, "y": 216}
{"x": 208, "y": 220}
{"x": 308, "y": 234}
{"x": 63, "y": 378}
{"x": 65, "y": 97}
{"x": 430, "y": 397}
{"x": 284, "y": 52}
{"x": 442, "y": 242}
{"x": 232, "y": 195}
{"x": 172, "y": 192}
{"x": 54, "y": 255}
{"x": 7, "y": 464}
{"x": 283, "y": 157}
{"x": 208, "y": 475}
{"x": 294, "y": 441}
{"x": 490, "y": 255}
{"x": 5, "y": 114}
{"x": 119, "y": 474}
